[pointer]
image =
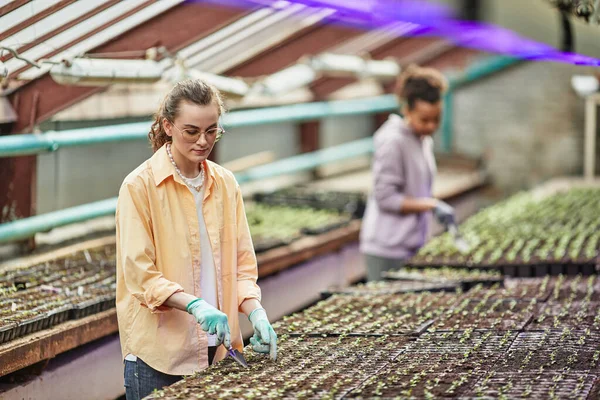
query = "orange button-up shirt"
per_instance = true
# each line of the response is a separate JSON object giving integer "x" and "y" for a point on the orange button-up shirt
{"x": 158, "y": 254}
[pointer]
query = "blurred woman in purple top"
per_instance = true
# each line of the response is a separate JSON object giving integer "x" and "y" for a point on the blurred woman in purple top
{"x": 397, "y": 219}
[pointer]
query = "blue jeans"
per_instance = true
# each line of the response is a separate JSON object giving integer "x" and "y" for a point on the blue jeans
{"x": 141, "y": 379}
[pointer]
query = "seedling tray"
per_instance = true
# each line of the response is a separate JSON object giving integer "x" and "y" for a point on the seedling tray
{"x": 459, "y": 342}
{"x": 325, "y": 228}
{"x": 389, "y": 288}
{"x": 424, "y": 275}
{"x": 533, "y": 351}
{"x": 380, "y": 314}
{"x": 558, "y": 315}
{"x": 92, "y": 306}
{"x": 266, "y": 245}
{"x": 525, "y": 291}
{"x": 31, "y": 325}
{"x": 59, "y": 315}
{"x": 353, "y": 203}
{"x": 391, "y": 386}
{"x": 553, "y": 269}
{"x": 8, "y": 332}
{"x": 306, "y": 368}
{"x": 531, "y": 385}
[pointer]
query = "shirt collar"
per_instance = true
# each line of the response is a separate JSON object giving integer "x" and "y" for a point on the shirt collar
{"x": 162, "y": 169}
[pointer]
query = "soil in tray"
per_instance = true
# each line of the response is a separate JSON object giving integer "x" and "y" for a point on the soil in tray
{"x": 575, "y": 289}
{"x": 552, "y": 351}
{"x": 466, "y": 278}
{"x": 462, "y": 342}
{"x": 306, "y": 368}
{"x": 443, "y": 362}
{"x": 543, "y": 322}
{"x": 393, "y": 288}
{"x": 381, "y": 314}
{"x": 579, "y": 314}
{"x": 388, "y": 384}
{"x": 534, "y": 385}
{"x": 521, "y": 289}
{"x": 486, "y": 314}
{"x": 462, "y": 352}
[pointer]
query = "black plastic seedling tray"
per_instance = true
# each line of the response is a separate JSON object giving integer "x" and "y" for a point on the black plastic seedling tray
{"x": 325, "y": 228}
{"x": 554, "y": 269}
{"x": 532, "y": 385}
{"x": 266, "y": 245}
{"x": 92, "y": 306}
{"x": 59, "y": 315}
{"x": 393, "y": 287}
{"x": 465, "y": 283}
{"x": 346, "y": 202}
{"x": 519, "y": 270}
{"x": 8, "y": 332}
{"x": 31, "y": 325}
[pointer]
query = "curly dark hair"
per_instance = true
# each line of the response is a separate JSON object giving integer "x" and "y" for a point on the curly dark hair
{"x": 195, "y": 91}
{"x": 418, "y": 83}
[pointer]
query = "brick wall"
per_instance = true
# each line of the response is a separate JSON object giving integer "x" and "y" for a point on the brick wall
{"x": 527, "y": 122}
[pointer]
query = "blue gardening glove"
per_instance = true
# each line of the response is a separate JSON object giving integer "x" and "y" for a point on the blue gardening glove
{"x": 444, "y": 213}
{"x": 211, "y": 320}
{"x": 264, "y": 339}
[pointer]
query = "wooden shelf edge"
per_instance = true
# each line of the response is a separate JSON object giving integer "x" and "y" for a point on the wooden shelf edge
{"x": 27, "y": 261}
{"x": 306, "y": 248}
{"x": 42, "y": 345}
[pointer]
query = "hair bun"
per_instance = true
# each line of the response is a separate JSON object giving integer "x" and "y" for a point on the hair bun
{"x": 414, "y": 72}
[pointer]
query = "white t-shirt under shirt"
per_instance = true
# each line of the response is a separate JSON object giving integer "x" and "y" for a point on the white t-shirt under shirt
{"x": 208, "y": 274}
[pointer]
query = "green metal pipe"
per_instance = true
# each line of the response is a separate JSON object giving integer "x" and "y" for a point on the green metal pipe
{"x": 481, "y": 69}
{"x": 308, "y": 161}
{"x": 27, "y": 144}
{"x": 447, "y": 122}
{"x": 28, "y": 227}
{"x": 310, "y": 111}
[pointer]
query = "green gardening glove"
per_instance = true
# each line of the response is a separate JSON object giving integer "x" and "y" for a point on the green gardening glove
{"x": 264, "y": 339}
{"x": 211, "y": 320}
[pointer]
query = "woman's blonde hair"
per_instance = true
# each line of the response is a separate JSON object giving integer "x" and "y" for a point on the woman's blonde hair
{"x": 195, "y": 91}
{"x": 419, "y": 83}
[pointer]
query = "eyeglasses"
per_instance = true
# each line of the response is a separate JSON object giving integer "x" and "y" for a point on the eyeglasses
{"x": 191, "y": 135}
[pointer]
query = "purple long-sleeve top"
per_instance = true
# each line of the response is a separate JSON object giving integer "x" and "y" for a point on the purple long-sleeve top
{"x": 403, "y": 166}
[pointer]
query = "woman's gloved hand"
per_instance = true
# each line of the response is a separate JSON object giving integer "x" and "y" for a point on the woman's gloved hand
{"x": 211, "y": 320}
{"x": 444, "y": 213}
{"x": 264, "y": 339}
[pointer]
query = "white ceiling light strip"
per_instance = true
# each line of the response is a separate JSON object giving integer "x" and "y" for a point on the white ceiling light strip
{"x": 374, "y": 39}
{"x": 226, "y": 43}
{"x": 111, "y": 32}
{"x": 222, "y": 34}
{"x": 50, "y": 23}
{"x": 24, "y": 12}
{"x": 72, "y": 33}
{"x": 236, "y": 50}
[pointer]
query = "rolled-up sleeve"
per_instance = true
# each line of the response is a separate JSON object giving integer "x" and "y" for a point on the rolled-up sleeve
{"x": 137, "y": 256}
{"x": 247, "y": 267}
{"x": 389, "y": 177}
